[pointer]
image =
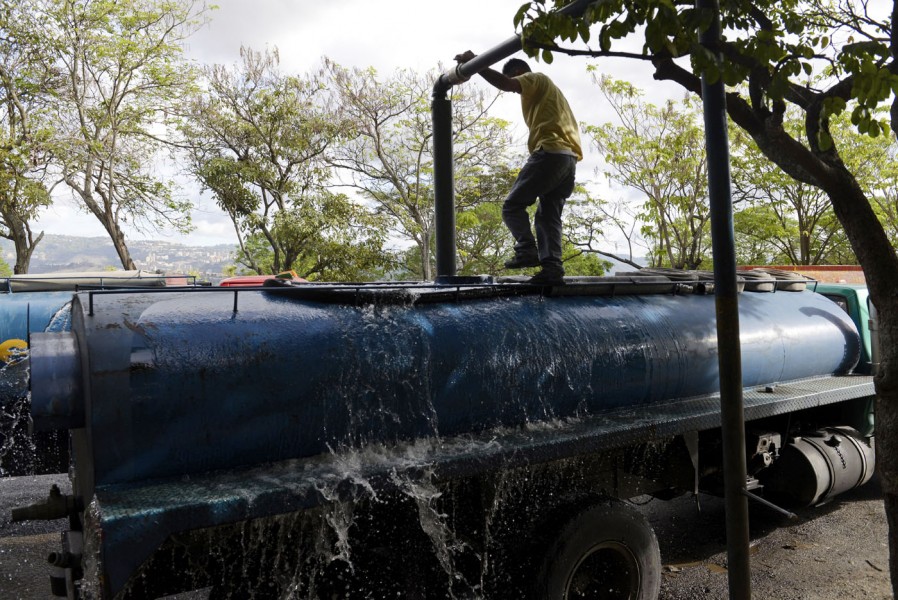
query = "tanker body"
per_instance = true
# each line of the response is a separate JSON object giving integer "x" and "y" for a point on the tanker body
{"x": 507, "y": 420}
{"x": 38, "y": 303}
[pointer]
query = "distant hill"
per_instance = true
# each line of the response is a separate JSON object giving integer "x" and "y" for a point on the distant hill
{"x": 72, "y": 253}
{"x": 66, "y": 253}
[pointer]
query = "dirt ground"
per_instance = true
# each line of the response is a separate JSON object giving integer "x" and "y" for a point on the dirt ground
{"x": 834, "y": 552}
{"x": 838, "y": 551}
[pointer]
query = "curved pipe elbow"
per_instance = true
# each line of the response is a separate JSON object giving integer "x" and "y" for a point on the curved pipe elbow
{"x": 441, "y": 88}
{"x": 448, "y": 79}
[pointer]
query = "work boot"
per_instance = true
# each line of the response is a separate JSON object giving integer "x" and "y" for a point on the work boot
{"x": 522, "y": 261}
{"x": 547, "y": 277}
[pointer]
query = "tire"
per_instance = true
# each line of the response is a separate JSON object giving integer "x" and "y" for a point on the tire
{"x": 606, "y": 551}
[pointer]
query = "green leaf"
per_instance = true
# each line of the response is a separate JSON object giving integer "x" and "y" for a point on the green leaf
{"x": 604, "y": 39}
{"x": 519, "y": 16}
{"x": 584, "y": 31}
{"x": 874, "y": 129}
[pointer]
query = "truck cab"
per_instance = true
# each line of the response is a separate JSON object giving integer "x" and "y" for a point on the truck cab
{"x": 854, "y": 299}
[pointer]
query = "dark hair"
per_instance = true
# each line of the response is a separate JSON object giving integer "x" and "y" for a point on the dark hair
{"x": 513, "y": 65}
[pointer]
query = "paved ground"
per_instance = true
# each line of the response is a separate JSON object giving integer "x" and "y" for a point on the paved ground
{"x": 24, "y": 546}
{"x": 834, "y": 552}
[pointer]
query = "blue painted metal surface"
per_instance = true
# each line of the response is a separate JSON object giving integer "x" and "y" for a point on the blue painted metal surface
{"x": 186, "y": 385}
{"x": 26, "y": 312}
{"x": 136, "y": 518}
{"x": 855, "y": 301}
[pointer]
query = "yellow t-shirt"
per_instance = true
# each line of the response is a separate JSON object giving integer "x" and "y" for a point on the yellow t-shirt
{"x": 548, "y": 116}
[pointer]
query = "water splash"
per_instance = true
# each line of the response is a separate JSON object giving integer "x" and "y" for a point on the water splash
{"x": 91, "y": 558}
{"x": 61, "y": 319}
{"x": 17, "y": 447}
{"x": 433, "y": 522}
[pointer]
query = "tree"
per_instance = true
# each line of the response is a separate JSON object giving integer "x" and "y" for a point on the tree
{"x": 257, "y": 139}
{"x": 774, "y": 49}
{"x": 618, "y": 213}
{"x": 24, "y": 81}
{"x": 482, "y": 239}
{"x": 658, "y": 152}
{"x": 389, "y": 160}
{"x": 484, "y": 243}
{"x": 875, "y": 164}
{"x": 792, "y": 219}
{"x": 121, "y": 62}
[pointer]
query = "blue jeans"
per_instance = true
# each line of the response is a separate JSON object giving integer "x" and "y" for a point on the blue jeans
{"x": 549, "y": 177}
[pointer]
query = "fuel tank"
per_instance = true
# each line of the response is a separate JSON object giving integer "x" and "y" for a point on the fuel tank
{"x": 171, "y": 384}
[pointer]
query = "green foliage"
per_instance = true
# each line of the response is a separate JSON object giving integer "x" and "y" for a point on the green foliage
{"x": 257, "y": 139}
{"x": 390, "y": 161}
{"x": 120, "y": 73}
{"x": 483, "y": 242}
{"x": 5, "y": 269}
{"x": 874, "y": 161}
{"x": 659, "y": 152}
{"x": 774, "y": 47}
{"x": 24, "y": 128}
{"x": 578, "y": 262}
{"x": 780, "y": 220}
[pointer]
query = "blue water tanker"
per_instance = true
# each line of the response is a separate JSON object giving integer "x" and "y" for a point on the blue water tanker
{"x": 203, "y": 411}
{"x": 286, "y": 376}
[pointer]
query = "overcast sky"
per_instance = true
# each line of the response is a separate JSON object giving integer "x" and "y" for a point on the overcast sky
{"x": 385, "y": 34}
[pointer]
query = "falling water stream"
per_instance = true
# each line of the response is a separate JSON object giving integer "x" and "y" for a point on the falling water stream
{"x": 17, "y": 448}
{"x": 21, "y": 452}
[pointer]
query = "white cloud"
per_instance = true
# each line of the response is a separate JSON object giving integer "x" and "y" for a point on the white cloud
{"x": 65, "y": 218}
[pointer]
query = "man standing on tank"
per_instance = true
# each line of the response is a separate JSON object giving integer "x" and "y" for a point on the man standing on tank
{"x": 554, "y": 145}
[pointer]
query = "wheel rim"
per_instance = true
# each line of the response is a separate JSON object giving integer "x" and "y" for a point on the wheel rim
{"x": 609, "y": 571}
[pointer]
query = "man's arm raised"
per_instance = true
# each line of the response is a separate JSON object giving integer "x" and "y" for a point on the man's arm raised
{"x": 493, "y": 77}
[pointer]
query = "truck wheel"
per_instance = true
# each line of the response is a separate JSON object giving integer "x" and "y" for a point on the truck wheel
{"x": 607, "y": 551}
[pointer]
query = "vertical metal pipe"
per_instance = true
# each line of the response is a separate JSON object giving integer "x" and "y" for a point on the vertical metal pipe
{"x": 443, "y": 182}
{"x": 727, "y": 307}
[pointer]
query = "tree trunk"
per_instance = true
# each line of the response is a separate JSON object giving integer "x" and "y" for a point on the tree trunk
{"x": 426, "y": 271}
{"x": 105, "y": 213}
{"x": 880, "y": 264}
{"x": 886, "y": 430}
{"x": 887, "y": 419}
{"x": 24, "y": 249}
{"x": 20, "y": 235}
{"x": 121, "y": 248}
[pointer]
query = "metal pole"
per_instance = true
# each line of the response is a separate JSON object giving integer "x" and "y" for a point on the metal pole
{"x": 727, "y": 307}
{"x": 444, "y": 185}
